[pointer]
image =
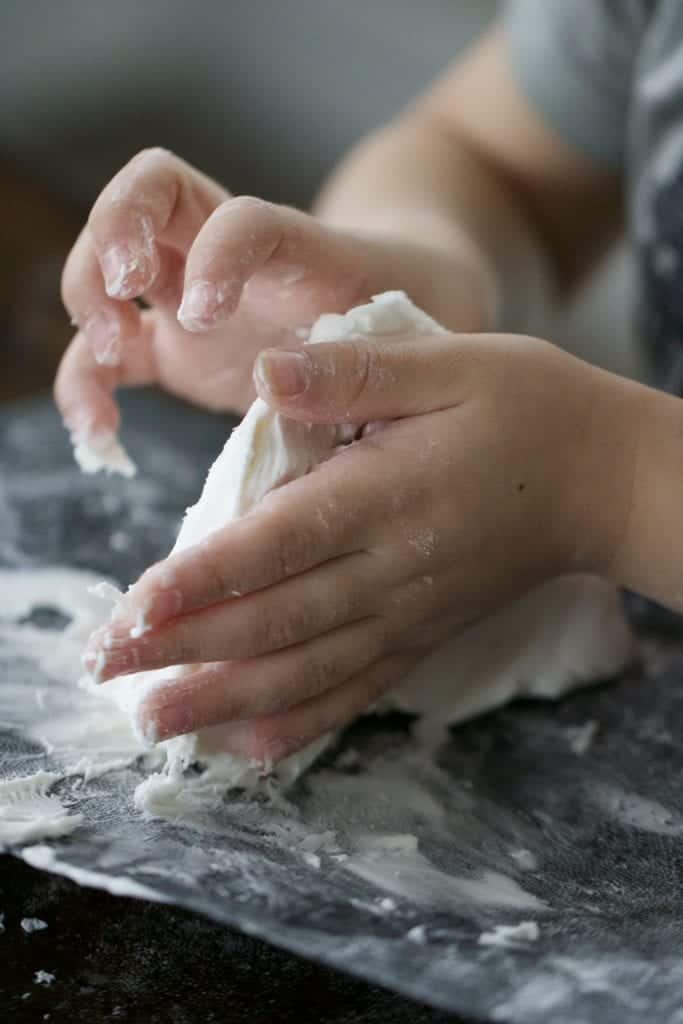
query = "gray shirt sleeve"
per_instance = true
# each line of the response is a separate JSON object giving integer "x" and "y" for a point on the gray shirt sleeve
{"x": 574, "y": 60}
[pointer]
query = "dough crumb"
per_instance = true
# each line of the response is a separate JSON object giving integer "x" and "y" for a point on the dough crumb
{"x": 510, "y": 934}
{"x": 33, "y": 924}
{"x": 43, "y": 978}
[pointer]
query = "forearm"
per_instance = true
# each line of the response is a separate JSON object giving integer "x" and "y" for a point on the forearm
{"x": 415, "y": 181}
{"x": 473, "y": 171}
{"x": 648, "y": 558}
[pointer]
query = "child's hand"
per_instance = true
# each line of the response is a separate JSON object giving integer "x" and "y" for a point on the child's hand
{"x": 225, "y": 277}
{"x": 511, "y": 463}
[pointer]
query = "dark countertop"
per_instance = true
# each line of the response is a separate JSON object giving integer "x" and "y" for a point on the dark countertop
{"x": 604, "y": 827}
{"x": 117, "y": 959}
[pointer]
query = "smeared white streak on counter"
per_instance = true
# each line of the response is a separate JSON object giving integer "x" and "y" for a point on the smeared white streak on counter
{"x": 510, "y": 934}
{"x": 635, "y": 811}
{"x": 45, "y": 858}
{"x": 408, "y": 873}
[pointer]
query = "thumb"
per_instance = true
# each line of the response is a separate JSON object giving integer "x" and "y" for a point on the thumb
{"x": 365, "y": 379}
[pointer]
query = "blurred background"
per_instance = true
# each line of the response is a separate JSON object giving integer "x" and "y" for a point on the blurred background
{"x": 261, "y": 94}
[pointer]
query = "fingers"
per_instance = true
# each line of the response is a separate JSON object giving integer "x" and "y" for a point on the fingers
{"x": 296, "y": 610}
{"x": 156, "y": 199}
{"x": 309, "y": 521}
{"x": 275, "y": 249}
{"x": 135, "y": 243}
{"x": 269, "y": 738}
{"x": 270, "y": 685}
{"x": 366, "y": 380}
{"x": 139, "y": 230}
{"x": 85, "y": 385}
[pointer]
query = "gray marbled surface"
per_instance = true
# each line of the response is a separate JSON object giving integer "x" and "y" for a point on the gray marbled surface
{"x": 601, "y": 827}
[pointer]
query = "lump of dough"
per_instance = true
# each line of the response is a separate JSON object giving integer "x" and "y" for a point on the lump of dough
{"x": 567, "y": 632}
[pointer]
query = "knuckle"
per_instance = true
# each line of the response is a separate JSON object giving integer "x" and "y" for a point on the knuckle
{"x": 154, "y": 154}
{"x": 280, "y": 629}
{"x": 214, "y": 582}
{"x": 262, "y": 217}
{"x": 251, "y": 204}
{"x": 365, "y": 372}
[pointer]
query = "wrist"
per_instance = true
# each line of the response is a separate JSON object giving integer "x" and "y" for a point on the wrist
{"x": 601, "y": 498}
{"x": 648, "y": 556}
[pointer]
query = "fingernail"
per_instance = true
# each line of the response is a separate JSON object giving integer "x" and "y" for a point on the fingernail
{"x": 125, "y": 271}
{"x": 102, "y": 330}
{"x": 283, "y": 374}
{"x": 206, "y": 304}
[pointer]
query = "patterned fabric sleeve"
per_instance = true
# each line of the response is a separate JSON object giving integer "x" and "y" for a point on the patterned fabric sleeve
{"x": 574, "y": 61}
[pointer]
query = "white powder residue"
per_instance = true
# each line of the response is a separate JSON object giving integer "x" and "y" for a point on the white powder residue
{"x": 510, "y": 934}
{"x": 634, "y": 811}
{"x": 28, "y": 813}
{"x": 525, "y": 859}
{"x": 410, "y": 875}
{"x": 102, "y": 452}
{"x": 106, "y": 591}
{"x": 141, "y": 626}
{"x": 315, "y": 841}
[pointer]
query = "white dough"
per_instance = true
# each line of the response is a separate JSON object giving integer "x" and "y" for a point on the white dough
{"x": 33, "y": 924}
{"x": 28, "y": 813}
{"x": 43, "y": 978}
{"x": 565, "y": 633}
{"x": 102, "y": 452}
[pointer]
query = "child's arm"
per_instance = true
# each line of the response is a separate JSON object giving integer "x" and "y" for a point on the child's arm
{"x": 471, "y": 167}
{"x": 648, "y": 557}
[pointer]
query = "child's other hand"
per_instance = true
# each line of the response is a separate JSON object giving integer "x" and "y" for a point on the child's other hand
{"x": 511, "y": 462}
{"x": 225, "y": 277}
